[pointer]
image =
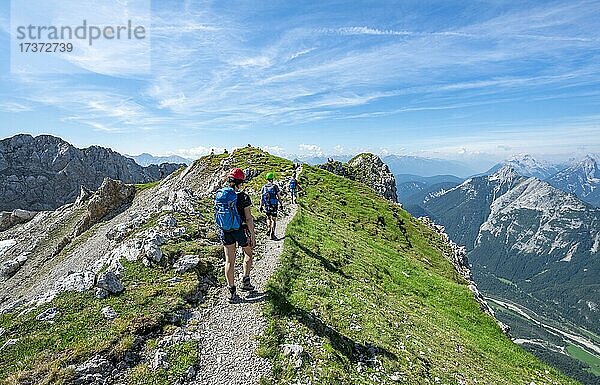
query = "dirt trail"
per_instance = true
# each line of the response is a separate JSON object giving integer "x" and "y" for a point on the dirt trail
{"x": 229, "y": 331}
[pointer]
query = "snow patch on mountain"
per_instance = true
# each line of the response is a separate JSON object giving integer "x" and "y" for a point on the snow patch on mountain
{"x": 570, "y": 253}
{"x": 528, "y": 166}
{"x": 581, "y": 178}
{"x": 596, "y": 246}
{"x": 441, "y": 192}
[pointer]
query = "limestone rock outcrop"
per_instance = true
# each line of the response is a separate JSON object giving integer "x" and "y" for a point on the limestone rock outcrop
{"x": 45, "y": 172}
{"x": 368, "y": 169}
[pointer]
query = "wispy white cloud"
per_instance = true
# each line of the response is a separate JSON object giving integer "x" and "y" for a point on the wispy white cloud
{"x": 365, "y": 31}
{"x": 15, "y": 107}
{"x": 311, "y": 149}
{"x": 212, "y": 70}
{"x": 276, "y": 150}
{"x": 194, "y": 152}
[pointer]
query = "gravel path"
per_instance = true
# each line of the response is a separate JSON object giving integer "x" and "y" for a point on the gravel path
{"x": 229, "y": 331}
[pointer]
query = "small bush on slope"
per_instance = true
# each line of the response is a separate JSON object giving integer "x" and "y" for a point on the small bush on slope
{"x": 366, "y": 291}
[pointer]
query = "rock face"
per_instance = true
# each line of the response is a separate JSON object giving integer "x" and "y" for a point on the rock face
{"x": 45, "y": 172}
{"x": 368, "y": 169}
{"x": 338, "y": 168}
{"x": 8, "y": 219}
{"x": 110, "y": 196}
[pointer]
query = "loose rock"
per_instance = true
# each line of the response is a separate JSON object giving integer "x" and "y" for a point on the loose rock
{"x": 159, "y": 361}
{"x": 292, "y": 350}
{"x": 109, "y": 313}
{"x": 101, "y": 293}
{"x": 8, "y": 343}
{"x": 186, "y": 263}
{"x": 48, "y": 315}
{"x": 109, "y": 282}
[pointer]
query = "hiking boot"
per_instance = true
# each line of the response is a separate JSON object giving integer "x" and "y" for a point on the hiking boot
{"x": 273, "y": 237}
{"x": 246, "y": 285}
{"x": 233, "y": 297}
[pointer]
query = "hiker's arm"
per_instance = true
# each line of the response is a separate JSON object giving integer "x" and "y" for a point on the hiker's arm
{"x": 250, "y": 224}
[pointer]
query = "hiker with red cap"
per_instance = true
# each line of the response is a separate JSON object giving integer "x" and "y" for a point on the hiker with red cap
{"x": 236, "y": 228}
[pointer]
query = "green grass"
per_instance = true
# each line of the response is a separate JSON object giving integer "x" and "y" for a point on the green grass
{"x": 358, "y": 274}
{"x": 179, "y": 357}
{"x": 506, "y": 281}
{"x": 44, "y": 350}
{"x": 145, "y": 186}
{"x": 583, "y": 356}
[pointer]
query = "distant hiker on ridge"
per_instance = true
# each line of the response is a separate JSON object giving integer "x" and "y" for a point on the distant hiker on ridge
{"x": 294, "y": 188}
{"x": 236, "y": 226}
{"x": 270, "y": 202}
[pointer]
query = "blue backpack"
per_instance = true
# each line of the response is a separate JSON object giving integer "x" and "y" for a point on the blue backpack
{"x": 293, "y": 184}
{"x": 269, "y": 194}
{"x": 227, "y": 217}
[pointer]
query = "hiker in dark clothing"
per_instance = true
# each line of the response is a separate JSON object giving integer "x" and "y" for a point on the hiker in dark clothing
{"x": 236, "y": 228}
{"x": 294, "y": 188}
{"x": 270, "y": 202}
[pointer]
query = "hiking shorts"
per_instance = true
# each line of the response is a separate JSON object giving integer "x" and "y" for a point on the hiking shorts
{"x": 271, "y": 210}
{"x": 294, "y": 191}
{"x": 232, "y": 237}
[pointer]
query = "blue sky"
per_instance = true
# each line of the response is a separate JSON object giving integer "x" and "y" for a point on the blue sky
{"x": 471, "y": 80}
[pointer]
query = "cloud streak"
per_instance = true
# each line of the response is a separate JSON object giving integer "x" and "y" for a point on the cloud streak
{"x": 235, "y": 69}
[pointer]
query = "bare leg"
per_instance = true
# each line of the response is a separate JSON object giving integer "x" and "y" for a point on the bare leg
{"x": 230, "y": 264}
{"x": 248, "y": 259}
{"x": 274, "y": 222}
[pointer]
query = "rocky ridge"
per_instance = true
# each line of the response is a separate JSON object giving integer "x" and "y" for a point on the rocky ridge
{"x": 45, "y": 172}
{"x": 368, "y": 169}
{"x": 85, "y": 247}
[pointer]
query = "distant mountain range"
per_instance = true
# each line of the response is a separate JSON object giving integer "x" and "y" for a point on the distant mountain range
{"x": 412, "y": 189}
{"x": 527, "y": 165}
{"x": 404, "y": 164}
{"x": 581, "y": 178}
{"x": 146, "y": 159}
{"x": 530, "y": 243}
{"x": 45, "y": 172}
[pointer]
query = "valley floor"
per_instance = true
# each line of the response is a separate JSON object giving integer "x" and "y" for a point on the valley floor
{"x": 543, "y": 335}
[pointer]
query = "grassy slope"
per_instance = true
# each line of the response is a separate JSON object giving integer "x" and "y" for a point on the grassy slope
{"x": 360, "y": 274}
{"x": 44, "y": 350}
{"x": 584, "y": 356}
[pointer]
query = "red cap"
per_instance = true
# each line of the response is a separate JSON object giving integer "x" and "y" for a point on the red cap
{"x": 236, "y": 173}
